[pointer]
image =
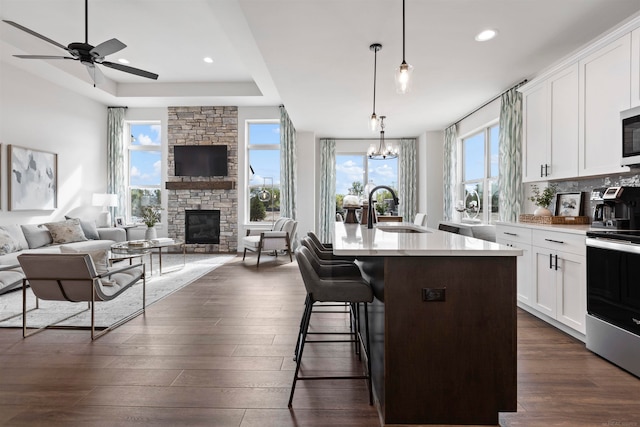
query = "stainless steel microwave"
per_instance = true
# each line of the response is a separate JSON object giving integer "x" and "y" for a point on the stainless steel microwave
{"x": 630, "y": 136}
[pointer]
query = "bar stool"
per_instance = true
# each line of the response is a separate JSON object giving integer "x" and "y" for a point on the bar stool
{"x": 324, "y": 252}
{"x": 350, "y": 290}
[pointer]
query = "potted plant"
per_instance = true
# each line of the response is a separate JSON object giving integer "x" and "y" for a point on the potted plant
{"x": 150, "y": 217}
{"x": 542, "y": 199}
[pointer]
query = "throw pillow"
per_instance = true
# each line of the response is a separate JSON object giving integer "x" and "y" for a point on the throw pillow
{"x": 7, "y": 243}
{"x": 16, "y": 232}
{"x": 66, "y": 231}
{"x": 36, "y": 235}
{"x": 88, "y": 228}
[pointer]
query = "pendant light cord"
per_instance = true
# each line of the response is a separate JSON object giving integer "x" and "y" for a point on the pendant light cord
{"x": 375, "y": 67}
{"x": 403, "y": 61}
{"x": 86, "y": 21}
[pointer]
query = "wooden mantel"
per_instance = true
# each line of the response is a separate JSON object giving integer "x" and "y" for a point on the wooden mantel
{"x": 200, "y": 185}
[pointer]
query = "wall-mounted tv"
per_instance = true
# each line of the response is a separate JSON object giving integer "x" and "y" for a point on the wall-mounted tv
{"x": 200, "y": 160}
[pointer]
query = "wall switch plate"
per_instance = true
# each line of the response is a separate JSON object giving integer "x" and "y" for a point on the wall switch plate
{"x": 434, "y": 294}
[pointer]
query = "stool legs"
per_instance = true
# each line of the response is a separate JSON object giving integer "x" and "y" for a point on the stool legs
{"x": 354, "y": 325}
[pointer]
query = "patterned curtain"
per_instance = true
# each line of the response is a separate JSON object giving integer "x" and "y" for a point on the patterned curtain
{"x": 115, "y": 158}
{"x": 407, "y": 180}
{"x": 327, "y": 189}
{"x": 510, "y": 156}
{"x": 287, "y": 166}
{"x": 449, "y": 172}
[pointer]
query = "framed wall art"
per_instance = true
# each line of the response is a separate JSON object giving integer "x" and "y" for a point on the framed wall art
{"x": 33, "y": 179}
{"x": 569, "y": 204}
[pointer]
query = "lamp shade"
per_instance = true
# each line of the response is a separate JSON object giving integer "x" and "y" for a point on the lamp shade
{"x": 104, "y": 200}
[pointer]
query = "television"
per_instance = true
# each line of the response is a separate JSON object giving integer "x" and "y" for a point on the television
{"x": 200, "y": 160}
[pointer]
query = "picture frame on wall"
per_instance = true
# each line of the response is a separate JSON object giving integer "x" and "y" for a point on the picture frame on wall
{"x": 569, "y": 204}
{"x": 119, "y": 221}
{"x": 33, "y": 179}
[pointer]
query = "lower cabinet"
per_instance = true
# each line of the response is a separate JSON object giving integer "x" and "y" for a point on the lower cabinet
{"x": 551, "y": 272}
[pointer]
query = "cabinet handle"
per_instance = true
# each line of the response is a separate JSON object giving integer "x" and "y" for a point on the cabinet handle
{"x": 541, "y": 171}
{"x": 550, "y": 261}
{"x": 546, "y": 170}
{"x": 554, "y": 241}
{"x": 509, "y": 234}
{"x": 556, "y": 262}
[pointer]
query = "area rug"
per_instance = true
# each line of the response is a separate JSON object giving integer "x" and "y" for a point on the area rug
{"x": 174, "y": 277}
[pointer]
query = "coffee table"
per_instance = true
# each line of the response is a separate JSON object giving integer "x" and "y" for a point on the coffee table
{"x": 159, "y": 245}
{"x": 129, "y": 250}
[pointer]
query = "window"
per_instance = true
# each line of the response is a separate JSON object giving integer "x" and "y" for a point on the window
{"x": 263, "y": 154}
{"x": 353, "y": 170}
{"x": 145, "y": 165}
{"x": 479, "y": 183}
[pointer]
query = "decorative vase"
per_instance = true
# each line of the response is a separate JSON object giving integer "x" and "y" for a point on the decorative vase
{"x": 540, "y": 211}
{"x": 150, "y": 233}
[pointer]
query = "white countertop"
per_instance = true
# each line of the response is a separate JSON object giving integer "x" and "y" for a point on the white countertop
{"x": 564, "y": 228}
{"x": 356, "y": 239}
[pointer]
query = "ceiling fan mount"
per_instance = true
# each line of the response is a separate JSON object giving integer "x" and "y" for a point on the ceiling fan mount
{"x": 87, "y": 54}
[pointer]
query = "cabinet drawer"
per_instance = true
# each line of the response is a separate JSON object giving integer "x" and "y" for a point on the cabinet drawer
{"x": 565, "y": 242}
{"x": 513, "y": 234}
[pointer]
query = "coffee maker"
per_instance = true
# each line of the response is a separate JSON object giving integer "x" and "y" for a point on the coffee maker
{"x": 619, "y": 208}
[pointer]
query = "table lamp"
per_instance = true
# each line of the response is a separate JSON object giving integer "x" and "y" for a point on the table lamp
{"x": 106, "y": 201}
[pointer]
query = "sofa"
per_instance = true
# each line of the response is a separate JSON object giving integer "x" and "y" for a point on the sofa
{"x": 70, "y": 235}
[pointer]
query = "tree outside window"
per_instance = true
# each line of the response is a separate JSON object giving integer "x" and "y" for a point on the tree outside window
{"x": 145, "y": 166}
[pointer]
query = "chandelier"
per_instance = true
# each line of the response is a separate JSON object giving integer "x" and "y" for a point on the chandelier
{"x": 373, "y": 121}
{"x": 383, "y": 151}
{"x": 404, "y": 71}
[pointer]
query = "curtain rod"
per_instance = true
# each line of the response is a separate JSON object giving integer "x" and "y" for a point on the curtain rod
{"x": 367, "y": 139}
{"x": 115, "y": 106}
{"x": 489, "y": 102}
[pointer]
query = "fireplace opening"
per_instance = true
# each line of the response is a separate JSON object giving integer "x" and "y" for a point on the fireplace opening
{"x": 202, "y": 226}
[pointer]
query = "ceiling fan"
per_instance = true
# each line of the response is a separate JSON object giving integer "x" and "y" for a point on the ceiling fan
{"x": 87, "y": 54}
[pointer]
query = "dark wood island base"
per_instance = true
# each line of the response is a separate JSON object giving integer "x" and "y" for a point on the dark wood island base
{"x": 443, "y": 338}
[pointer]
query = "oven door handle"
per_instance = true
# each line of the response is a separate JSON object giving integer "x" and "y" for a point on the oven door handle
{"x": 613, "y": 245}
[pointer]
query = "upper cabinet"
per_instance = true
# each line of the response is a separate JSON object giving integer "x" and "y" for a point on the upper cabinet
{"x": 605, "y": 90}
{"x": 635, "y": 68}
{"x": 550, "y": 127}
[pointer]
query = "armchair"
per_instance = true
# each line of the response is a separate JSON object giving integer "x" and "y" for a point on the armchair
{"x": 73, "y": 278}
{"x": 277, "y": 239}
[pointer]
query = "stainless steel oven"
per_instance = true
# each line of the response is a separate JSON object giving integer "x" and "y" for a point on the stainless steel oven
{"x": 613, "y": 297}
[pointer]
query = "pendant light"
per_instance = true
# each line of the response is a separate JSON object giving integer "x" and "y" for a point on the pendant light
{"x": 383, "y": 151}
{"x": 373, "y": 120}
{"x": 404, "y": 71}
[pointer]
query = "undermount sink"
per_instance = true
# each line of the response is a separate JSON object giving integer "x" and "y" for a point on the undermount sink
{"x": 400, "y": 229}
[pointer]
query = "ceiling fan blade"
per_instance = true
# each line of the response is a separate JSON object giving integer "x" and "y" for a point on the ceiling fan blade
{"x": 95, "y": 74}
{"x": 107, "y": 48}
{"x": 33, "y": 33}
{"x": 44, "y": 57}
{"x": 131, "y": 70}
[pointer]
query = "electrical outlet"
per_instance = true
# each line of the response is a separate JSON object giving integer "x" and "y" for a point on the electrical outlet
{"x": 433, "y": 294}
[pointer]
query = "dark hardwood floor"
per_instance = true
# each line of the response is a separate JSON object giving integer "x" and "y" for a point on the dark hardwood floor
{"x": 219, "y": 353}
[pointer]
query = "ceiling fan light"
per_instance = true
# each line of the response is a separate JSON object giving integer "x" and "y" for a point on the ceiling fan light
{"x": 403, "y": 77}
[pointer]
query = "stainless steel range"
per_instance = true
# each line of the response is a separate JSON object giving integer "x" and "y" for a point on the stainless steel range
{"x": 613, "y": 297}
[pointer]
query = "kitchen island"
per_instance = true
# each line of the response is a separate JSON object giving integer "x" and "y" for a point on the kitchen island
{"x": 442, "y": 324}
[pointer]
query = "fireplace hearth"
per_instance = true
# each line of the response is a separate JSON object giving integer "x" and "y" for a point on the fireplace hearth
{"x": 202, "y": 226}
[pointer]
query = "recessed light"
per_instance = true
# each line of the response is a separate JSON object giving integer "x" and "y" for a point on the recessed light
{"x": 485, "y": 35}
{"x": 123, "y": 61}
{"x": 208, "y": 60}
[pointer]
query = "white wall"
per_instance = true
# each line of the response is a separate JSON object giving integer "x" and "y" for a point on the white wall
{"x": 430, "y": 170}
{"x": 39, "y": 115}
{"x": 306, "y": 193}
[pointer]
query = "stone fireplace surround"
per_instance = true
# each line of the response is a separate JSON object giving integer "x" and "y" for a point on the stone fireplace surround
{"x": 204, "y": 126}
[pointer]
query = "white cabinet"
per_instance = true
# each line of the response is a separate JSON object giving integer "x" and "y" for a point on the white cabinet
{"x": 635, "y": 68}
{"x": 550, "y": 127}
{"x": 605, "y": 90}
{"x": 559, "y": 277}
{"x": 519, "y": 237}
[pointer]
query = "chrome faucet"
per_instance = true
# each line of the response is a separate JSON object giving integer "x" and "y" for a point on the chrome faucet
{"x": 370, "y": 209}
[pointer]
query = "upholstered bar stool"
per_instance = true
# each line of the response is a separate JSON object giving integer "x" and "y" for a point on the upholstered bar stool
{"x": 322, "y": 252}
{"x": 349, "y": 290}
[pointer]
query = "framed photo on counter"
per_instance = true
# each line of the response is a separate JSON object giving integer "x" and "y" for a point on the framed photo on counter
{"x": 569, "y": 204}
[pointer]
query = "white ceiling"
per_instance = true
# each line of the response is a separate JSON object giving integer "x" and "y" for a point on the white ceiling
{"x": 311, "y": 55}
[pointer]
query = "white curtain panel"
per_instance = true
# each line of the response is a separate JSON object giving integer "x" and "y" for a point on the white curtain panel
{"x": 115, "y": 158}
{"x": 510, "y": 156}
{"x": 327, "y": 189}
{"x": 407, "y": 180}
{"x": 449, "y": 170}
{"x": 287, "y": 166}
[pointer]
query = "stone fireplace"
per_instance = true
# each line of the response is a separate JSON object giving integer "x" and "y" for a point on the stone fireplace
{"x": 204, "y": 126}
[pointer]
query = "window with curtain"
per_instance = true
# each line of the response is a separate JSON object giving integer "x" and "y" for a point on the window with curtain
{"x": 144, "y": 157}
{"x": 478, "y": 189}
{"x": 355, "y": 170}
{"x": 263, "y": 154}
